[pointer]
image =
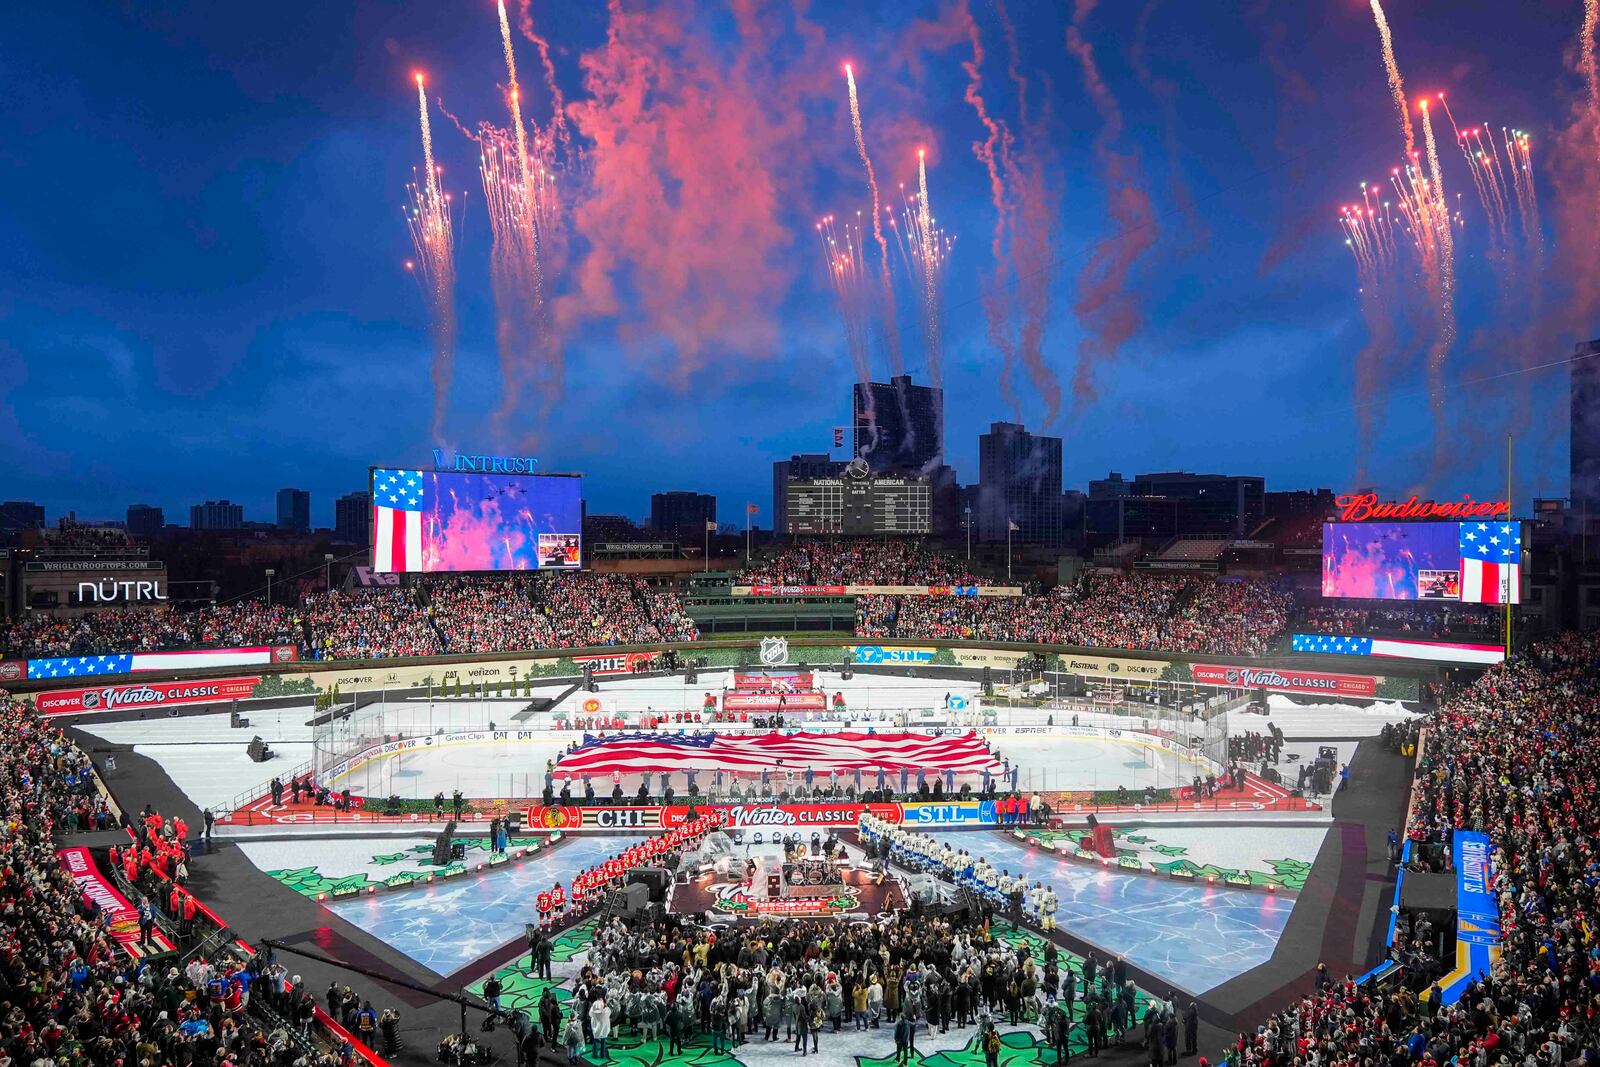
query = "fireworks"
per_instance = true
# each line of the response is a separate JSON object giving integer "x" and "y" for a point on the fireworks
{"x": 891, "y": 328}
{"x": 519, "y": 188}
{"x": 1397, "y": 88}
{"x": 924, "y": 249}
{"x": 842, "y": 256}
{"x": 433, "y": 236}
{"x": 1444, "y": 287}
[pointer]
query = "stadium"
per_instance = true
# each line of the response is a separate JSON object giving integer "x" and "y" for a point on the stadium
{"x": 944, "y": 754}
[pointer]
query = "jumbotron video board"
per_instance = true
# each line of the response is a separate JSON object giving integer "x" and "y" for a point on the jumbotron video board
{"x": 1447, "y": 562}
{"x": 426, "y": 521}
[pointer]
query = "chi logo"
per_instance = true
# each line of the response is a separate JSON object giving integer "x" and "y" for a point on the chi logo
{"x": 774, "y": 650}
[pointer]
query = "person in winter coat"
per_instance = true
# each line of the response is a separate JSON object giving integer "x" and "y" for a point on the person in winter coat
{"x": 905, "y": 1039}
{"x": 833, "y": 1002}
{"x": 600, "y": 1027}
{"x": 875, "y": 1001}
{"x": 772, "y": 1013}
{"x": 859, "y": 1005}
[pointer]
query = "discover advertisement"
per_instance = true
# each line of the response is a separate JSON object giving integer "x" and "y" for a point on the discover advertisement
{"x": 1113, "y": 666}
{"x": 1302, "y": 682}
{"x": 141, "y": 697}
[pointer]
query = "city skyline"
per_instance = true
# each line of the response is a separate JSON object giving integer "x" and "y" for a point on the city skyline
{"x": 231, "y": 314}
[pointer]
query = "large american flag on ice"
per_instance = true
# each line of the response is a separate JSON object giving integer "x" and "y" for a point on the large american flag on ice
{"x": 397, "y": 517}
{"x": 750, "y": 753}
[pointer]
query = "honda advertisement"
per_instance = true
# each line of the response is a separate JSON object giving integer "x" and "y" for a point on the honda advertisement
{"x": 1301, "y": 682}
{"x": 142, "y": 697}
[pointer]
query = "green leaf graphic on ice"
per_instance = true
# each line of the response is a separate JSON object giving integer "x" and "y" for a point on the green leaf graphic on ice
{"x": 392, "y": 857}
{"x": 1169, "y": 850}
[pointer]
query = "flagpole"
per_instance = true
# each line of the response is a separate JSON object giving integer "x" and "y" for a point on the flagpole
{"x": 747, "y": 535}
{"x": 1511, "y": 502}
{"x": 708, "y": 547}
{"x": 1009, "y": 527}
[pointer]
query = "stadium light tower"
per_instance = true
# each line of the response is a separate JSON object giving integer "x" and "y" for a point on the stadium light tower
{"x": 270, "y": 573}
{"x": 327, "y": 572}
{"x": 969, "y": 533}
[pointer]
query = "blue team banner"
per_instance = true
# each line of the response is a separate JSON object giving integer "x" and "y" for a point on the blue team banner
{"x": 879, "y": 654}
{"x": 954, "y": 813}
{"x": 1477, "y": 915}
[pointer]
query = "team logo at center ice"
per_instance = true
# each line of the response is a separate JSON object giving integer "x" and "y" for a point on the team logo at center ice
{"x": 774, "y": 650}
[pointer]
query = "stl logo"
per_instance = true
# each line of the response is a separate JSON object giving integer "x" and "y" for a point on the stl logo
{"x": 774, "y": 650}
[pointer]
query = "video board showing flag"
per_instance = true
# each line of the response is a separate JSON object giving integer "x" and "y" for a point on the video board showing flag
{"x": 1444, "y": 562}
{"x": 426, "y": 521}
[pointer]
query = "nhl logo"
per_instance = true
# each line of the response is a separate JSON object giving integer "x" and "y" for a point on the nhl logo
{"x": 774, "y": 650}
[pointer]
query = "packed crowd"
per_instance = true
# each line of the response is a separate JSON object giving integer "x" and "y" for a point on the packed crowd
{"x": 798, "y": 981}
{"x": 921, "y": 852}
{"x": 456, "y": 613}
{"x": 858, "y": 563}
{"x": 74, "y": 994}
{"x": 1512, "y": 757}
{"x": 1418, "y": 620}
{"x": 1155, "y": 612}
{"x": 118, "y": 630}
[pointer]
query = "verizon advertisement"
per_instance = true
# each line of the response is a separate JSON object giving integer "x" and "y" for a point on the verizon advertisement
{"x": 1348, "y": 685}
{"x": 138, "y": 697}
{"x": 622, "y": 663}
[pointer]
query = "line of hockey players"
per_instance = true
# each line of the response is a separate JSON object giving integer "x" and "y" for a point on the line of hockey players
{"x": 922, "y": 853}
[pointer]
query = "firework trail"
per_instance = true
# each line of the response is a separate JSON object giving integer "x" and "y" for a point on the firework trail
{"x": 1519, "y": 156}
{"x": 1439, "y": 352}
{"x": 519, "y": 189}
{"x": 1397, "y": 88}
{"x": 433, "y": 236}
{"x": 1106, "y": 308}
{"x": 842, "y": 256}
{"x": 891, "y": 325}
{"x": 929, "y": 252}
{"x": 1589, "y": 67}
{"x": 1370, "y": 234}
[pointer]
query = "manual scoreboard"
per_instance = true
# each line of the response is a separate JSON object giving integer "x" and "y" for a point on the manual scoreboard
{"x": 852, "y": 506}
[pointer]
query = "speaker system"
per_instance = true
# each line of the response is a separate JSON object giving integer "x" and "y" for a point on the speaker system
{"x": 692, "y": 677}
{"x": 441, "y": 845}
{"x": 633, "y": 900}
{"x": 988, "y": 683}
{"x": 655, "y": 881}
{"x": 845, "y": 673}
{"x": 588, "y": 679}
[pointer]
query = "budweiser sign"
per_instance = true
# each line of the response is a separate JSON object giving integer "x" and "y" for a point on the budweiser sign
{"x": 1348, "y": 685}
{"x": 1359, "y": 507}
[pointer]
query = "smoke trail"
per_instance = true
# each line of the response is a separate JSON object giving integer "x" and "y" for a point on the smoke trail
{"x": 433, "y": 237}
{"x": 1165, "y": 91}
{"x": 1575, "y": 172}
{"x": 891, "y": 318}
{"x": 1369, "y": 233}
{"x": 1397, "y": 88}
{"x": 842, "y": 255}
{"x": 994, "y": 152}
{"x": 1106, "y": 307}
{"x": 558, "y": 101}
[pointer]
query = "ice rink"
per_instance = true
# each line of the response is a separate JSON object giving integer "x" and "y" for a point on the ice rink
{"x": 206, "y": 757}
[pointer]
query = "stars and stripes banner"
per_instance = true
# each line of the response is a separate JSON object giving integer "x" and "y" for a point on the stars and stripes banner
{"x": 397, "y": 503}
{"x": 1431, "y": 651}
{"x": 751, "y": 754}
{"x": 138, "y": 662}
{"x": 1491, "y": 563}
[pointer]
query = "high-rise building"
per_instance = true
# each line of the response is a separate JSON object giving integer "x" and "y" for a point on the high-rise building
{"x": 352, "y": 518}
{"x": 145, "y": 520}
{"x": 898, "y": 426}
{"x": 21, "y": 515}
{"x": 1294, "y": 503}
{"x": 1211, "y": 505}
{"x": 802, "y": 465}
{"x": 294, "y": 510}
{"x": 1585, "y": 439}
{"x": 682, "y": 515}
{"x": 216, "y": 515}
{"x": 1019, "y": 484}
{"x": 1110, "y": 487}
